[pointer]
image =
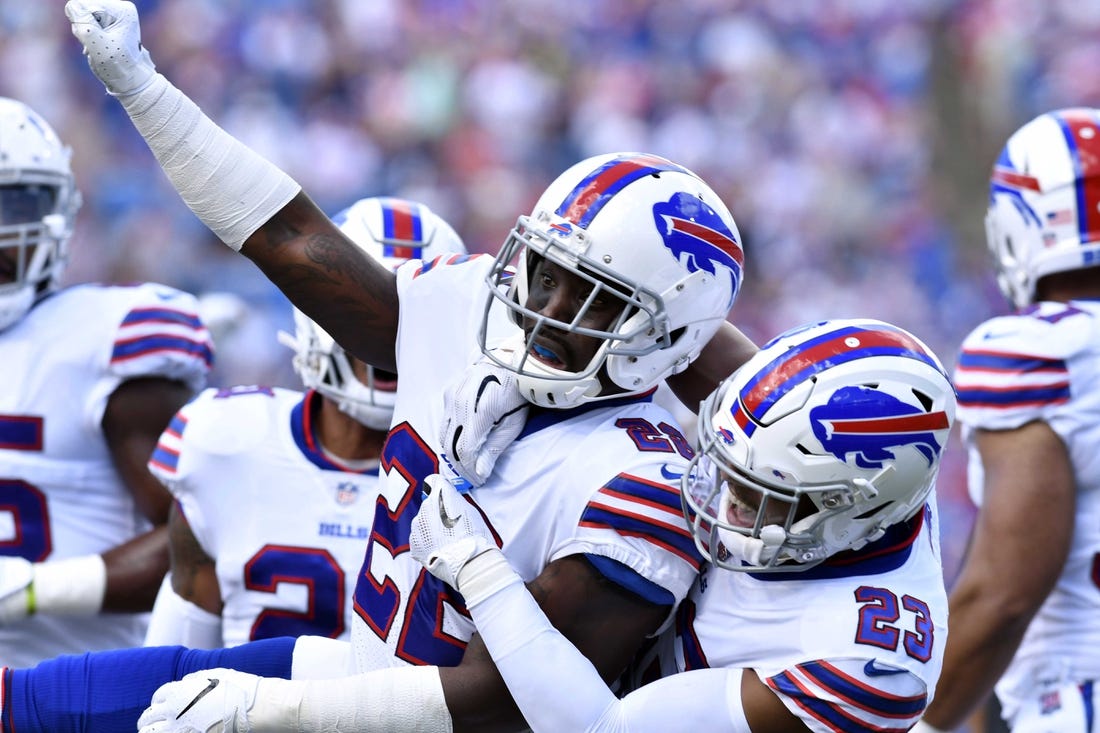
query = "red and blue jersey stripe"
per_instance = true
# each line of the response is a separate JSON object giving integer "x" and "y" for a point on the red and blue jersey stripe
{"x": 845, "y": 703}
{"x": 637, "y": 507}
{"x": 166, "y": 455}
{"x": 140, "y": 334}
{"x": 1049, "y": 383}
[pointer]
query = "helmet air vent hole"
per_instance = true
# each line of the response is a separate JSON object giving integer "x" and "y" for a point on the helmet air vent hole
{"x": 925, "y": 400}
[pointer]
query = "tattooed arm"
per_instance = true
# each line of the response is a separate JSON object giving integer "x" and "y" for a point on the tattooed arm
{"x": 329, "y": 278}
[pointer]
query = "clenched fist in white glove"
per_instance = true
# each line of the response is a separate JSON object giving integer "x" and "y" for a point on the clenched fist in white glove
{"x": 111, "y": 36}
{"x": 483, "y": 412}
{"x": 451, "y": 539}
{"x": 210, "y": 701}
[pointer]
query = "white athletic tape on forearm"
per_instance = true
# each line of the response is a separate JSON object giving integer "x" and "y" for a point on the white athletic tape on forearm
{"x": 485, "y": 575}
{"x": 74, "y": 587}
{"x": 231, "y": 188}
{"x": 397, "y": 700}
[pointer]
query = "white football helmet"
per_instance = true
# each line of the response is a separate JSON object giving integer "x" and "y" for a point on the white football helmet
{"x": 827, "y": 437}
{"x": 38, "y": 205}
{"x": 1044, "y": 201}
{"x": 642, "y": 230}
{"x": 392, "y": 231}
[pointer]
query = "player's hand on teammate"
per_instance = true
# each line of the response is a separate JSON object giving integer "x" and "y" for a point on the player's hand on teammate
{"x": 111, "y": 36}
{"x": 483, "y": 412}
{"x": 448, "y": 531}
{"x": 16, "y": 601}
{"x": 210, "y": 701}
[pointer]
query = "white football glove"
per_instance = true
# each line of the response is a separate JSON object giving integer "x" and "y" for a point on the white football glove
{"x": 111, "y": 36}
{"x": 451, "y": 539}
{"x": 16, "y": 602}
{"x": 483, "y": 412}
{"x": 210, "y": 701}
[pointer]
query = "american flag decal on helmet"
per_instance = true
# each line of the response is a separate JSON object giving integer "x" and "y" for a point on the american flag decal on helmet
{"x": 1082, "y": 132}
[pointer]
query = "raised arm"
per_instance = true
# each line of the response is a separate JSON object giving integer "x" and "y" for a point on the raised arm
{"x": 248, "y": 202}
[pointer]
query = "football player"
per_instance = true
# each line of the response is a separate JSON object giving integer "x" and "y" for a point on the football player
{"x": 1025, "y": 611}
{"x": 822, "y": 606}
{"x": 276, "y": 489}
{"x": 92, "y": 374}
{"x": 625, "y": 269}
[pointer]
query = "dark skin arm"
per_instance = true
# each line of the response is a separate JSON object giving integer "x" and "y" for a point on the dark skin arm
{"x": 605, "y": 622}
{"x": 607, "y": 625}
{"x": 1020, "y": 543}
{"x": 355, "y": 299}
{"x": 330, "y": 279}
{"x": 727, "y": 350}
{"x": 194, "y": 575}
{"x": 136, "y": 414}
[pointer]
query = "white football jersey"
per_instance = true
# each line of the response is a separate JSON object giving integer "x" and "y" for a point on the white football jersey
{"x": 601, "y": 479}
{"x": 854, "y": 644}
{"x": 60, "y": 495}
{"x": 1044, "y": 364}
{"x": 285, "y": 524}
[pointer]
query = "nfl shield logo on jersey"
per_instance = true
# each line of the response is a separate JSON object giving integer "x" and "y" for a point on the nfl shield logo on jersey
{"x": 346, "y": 493}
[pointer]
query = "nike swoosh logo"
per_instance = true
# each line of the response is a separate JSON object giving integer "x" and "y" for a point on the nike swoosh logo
{"x": 481, "y": 388}
{"x": 448, "y": 522}
{"x": 670, "y": 475}
{"x": 871, "y": 669}
{"x": 205, "y": 691}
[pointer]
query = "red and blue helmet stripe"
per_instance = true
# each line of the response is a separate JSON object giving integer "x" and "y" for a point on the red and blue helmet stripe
{"x": 596, "y": 189}
{"x": 814, "y": 355}
{"x": 1079, "y": 126}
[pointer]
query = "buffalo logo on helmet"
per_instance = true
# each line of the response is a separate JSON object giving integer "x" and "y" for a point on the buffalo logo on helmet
{"x": 869, "y": 423}
{"x": 697, "y": 236}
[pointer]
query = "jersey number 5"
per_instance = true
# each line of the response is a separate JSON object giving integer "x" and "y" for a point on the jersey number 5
{"x": 23, "y": 506}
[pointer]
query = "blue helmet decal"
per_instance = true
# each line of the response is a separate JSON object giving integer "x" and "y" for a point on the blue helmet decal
{"x": 698, "y": 238}
{"x": 868, "y": 423}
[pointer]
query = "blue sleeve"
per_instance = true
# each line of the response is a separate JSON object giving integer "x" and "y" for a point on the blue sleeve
{"x": 108, "y": 691}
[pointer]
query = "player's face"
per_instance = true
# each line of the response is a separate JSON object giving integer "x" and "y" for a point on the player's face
{"x": 557, "y": 293}
{"x": 743, "y": 505}
{"x": 20, "y": 204}
{"x": 377, "y": 379}
{"x": 9, "y": 266}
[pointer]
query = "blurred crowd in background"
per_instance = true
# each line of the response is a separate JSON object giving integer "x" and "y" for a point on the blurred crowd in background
{"x": 852, "y": 139}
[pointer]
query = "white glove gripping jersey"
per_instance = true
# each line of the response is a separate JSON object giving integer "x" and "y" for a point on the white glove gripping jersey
{"x": 285, "y": 524}
{"x": 60, "y": 495}
{"x": 600, "y": 480}
{"x": 852, "y": 645}
{"x": 1044, "y": 364}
